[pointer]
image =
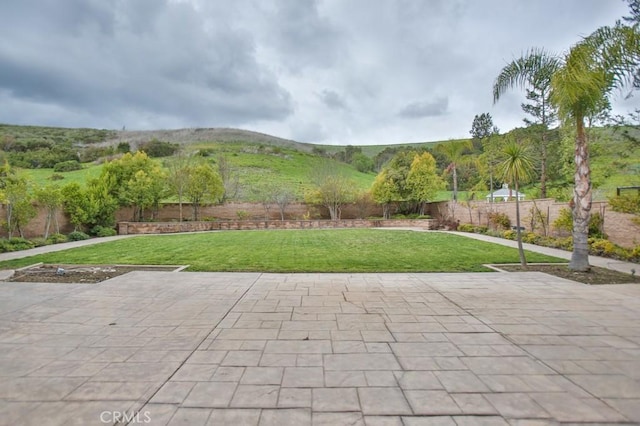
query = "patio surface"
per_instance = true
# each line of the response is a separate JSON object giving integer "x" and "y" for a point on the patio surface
{"x": 322, "y": 349}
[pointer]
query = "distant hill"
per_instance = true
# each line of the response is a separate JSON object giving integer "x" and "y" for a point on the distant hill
{"x": 260, "y": 158}
{"x": 197, "y": 135}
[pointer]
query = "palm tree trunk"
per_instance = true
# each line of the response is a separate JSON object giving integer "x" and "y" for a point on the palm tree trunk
{"x": 455, "y": 183}
{"x": 581, "y": 201}
{"x": 523, "y": 259}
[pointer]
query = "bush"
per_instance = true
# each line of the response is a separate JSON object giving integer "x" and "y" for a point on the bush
{"x": 596, "y": 225}
{"x": 103, "y": 231}
{"x": 564, "y": 221}
{"x": 510, "y": 234}
{"x": 530, "y": 237}
{"x": 499, "y": 220}
{"x": 67, "y": 166}
{"x": 78, "y": 236}
{"x": 20, "y": 243}
{"x": 5, "y": 246}
{"x": 39, "y": 242}
{"x": 625, "y": 203}
{"x": 57, "y": 239}
{"x": 465, "y": 227}
{"x": 156, "y": 148}
{"x": 476, "y": 229}
{"x": 242, "y": 214}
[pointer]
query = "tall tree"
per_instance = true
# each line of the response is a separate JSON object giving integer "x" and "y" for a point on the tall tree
{"x": 455, "y": 152}
{"x": 481, "y": 128}
{"x": 485, "y": 133}
{"x": 587, "y": 74}
{"x": 533, "y": 72}
{"x": 517, "y": 167}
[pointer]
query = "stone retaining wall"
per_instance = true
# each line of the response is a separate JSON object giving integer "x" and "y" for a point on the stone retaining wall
{"x": 125, "y": 228}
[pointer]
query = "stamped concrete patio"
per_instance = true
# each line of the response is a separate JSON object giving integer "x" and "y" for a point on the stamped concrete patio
{"x": 321, "y": 349}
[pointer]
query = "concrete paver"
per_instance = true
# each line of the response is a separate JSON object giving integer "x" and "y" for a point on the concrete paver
{"x": 277, "y": 349}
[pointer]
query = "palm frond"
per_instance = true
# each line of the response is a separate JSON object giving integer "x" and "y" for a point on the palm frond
{"x": 534, "y": 68}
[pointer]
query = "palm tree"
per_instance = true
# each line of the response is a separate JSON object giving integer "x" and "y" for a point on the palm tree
{"x": 454, "y": 151}
{"x": 585, "y": 78}
{"x": 533, "y": 71}
{"x": 517, "y": 166}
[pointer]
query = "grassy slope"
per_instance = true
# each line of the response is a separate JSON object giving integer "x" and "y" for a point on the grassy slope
{"x": 614, "y": 162}
{"x": 346, "y": 250}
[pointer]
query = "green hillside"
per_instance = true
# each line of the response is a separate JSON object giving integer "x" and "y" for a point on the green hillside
{"x": 258, "y": 158}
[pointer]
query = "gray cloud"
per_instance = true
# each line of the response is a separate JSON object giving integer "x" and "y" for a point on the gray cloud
{"x": 161, "y": 63}
{"x": 366, "y": 70}
{"x": 332, "y": 99}
{"x": 432, "y": 108}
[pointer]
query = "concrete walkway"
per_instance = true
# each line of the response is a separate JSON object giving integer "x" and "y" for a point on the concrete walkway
{"x": 166, "y": 348}
{"x": 603, "y": 262}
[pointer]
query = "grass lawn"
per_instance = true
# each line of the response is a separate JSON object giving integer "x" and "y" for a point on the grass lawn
{"x": 342, "y": 250}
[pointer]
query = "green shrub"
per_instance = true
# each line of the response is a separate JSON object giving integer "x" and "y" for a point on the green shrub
{"x": 78, "y": 236}
{"x": 477, "y": 229}
{"x": 596, "y": 225}
{"x": 5, "y": 246}
{"x": 564, "y": 221}
{"x": 530, "y": 237}
{"x": 625, "y": 203}
{"x": 499, "y": 220}
{"x": 67, "y": 166}
{"x": 39, "y": 242}
{"x": 57, "y": 239}
{"x": 156, "y": 148}
{"x": 509, "y": 234}
{"x": 56, "y": 176}
{"x": 242, "y": 214}
{"x": 19, "y": 243}
{"x": 465, "y": 227}
{"x": 103, "y": 231}
{"x": 601, "y": 247}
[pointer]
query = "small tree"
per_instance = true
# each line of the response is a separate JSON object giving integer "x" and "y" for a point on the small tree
{"x": 230, "y": 179}
{"x": 178, "y": 169}
{"x": 283, "y": 197}
{"x": 516, "y": 167}
{"x": 90, "y": 206}
{"x": 50, "y": 197}
{"x": 18, "y": 204}
{"x": 332, "y": 189}
{"x": 204, "y": 185}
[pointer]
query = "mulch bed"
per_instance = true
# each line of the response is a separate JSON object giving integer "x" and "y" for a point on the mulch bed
{"x": 594, "y": 276}
{"x": 78, "y": 274}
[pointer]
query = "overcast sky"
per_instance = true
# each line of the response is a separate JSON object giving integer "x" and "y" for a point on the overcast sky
{"x": 326, "y": 71}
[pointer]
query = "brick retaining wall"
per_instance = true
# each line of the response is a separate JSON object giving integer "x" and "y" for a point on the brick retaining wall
{"x": 125, "y": 228}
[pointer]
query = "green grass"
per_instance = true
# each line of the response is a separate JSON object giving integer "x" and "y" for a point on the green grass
{"x": 42, "y": 177}
{"x": 346, "y": 250}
